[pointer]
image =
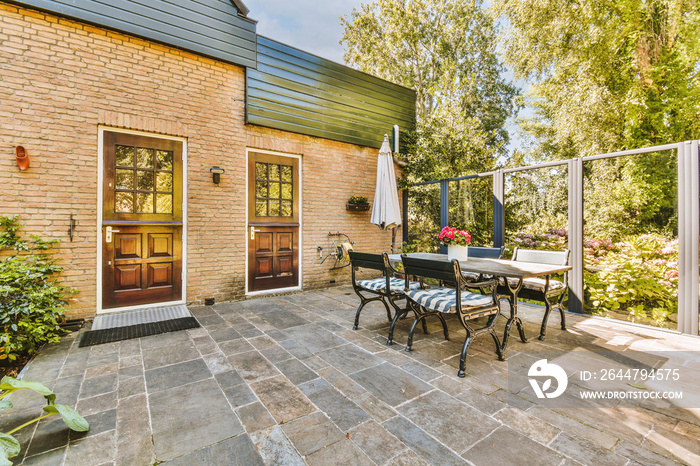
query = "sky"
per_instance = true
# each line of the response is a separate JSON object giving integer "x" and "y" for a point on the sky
{"x": 310, "y": 25}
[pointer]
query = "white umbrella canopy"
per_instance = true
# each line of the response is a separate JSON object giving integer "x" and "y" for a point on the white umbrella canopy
{"x": 386, "y": 212}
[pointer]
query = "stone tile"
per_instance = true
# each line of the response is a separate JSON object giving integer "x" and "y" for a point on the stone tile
{"x": 166, "y": 355}
{"x": 102, "y": 370}
{"x": 224, "y": 334}
{"x": 295, "y": 349}
{"x": 201, "y": 407}
{"x": 93, "y": 450}
{"x": 236, "y": 451}
{"x": 129, "y": 361}
{"x": 331, "y": 326}
{"x": 680, "y": 446}
{"x": 97, "y": 403}
{"x": 484, "y": 403}
{"x": 253, "y": 366}
{"x": 210, "y": 320}
{"x": 217, "y": 362}
{"x": 345, "y": 384}
{"x": 510, "y": 447}
{"x": 130, "y": 371}
{"x": 421, "y": 371}
{"x": 163, "y": 378}
{"x": 314, "y": 363}
{"x": 100, "y": 422}
{"x": 262, "y": 342}
{"x": 98, "y": 385}
{"x": 229, "y": 379}
{"x": 530, "y": 426}
{"x": 407, "y": 458}
{"x": 375, "y": 407}
{"x": 349, "y": 358}
{"x": 391, "y": 384}
{"x": 275, "y": 448}
{"x": 276, "y": 354}
{"x": 255, "y": 417}
{"x": 282, "y": 319}
{"x": 365, "y": 343}
{"x": 314, "y": 338}
{"x": 50, "y": 433}
{"x": 427, "y": 447}
{"x": 235, "y": 347}
{"x": 343, "y": 452}
{"x": 575, "y": 428}
{"x": 131, "y": 386}
{"x": 340, "y": 409}
{"x": 642, "y": 456}
{"x": 453, "y": 422}
{"x": 165, "y": 339}
{"x": 134, "y": 445}
{"x": 311, "y": 433}
{"x": 276, "y": 335}
{"x": 450, "y": 384}
{"x": 129, "y": 348}
{"x": 239, "y": 395}
{"x": 376, "y": 442}
{"x": 49, "y": 458}
{"x": 282, "y": 399}
{"x": 67, "y": 389}
{"x": 205, "y": 345}
{"x": 585, "y": 452}
{"x": 295, "y": 371}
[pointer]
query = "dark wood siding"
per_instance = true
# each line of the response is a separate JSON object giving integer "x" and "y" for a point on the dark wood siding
{"x": 207, "y": 27}
{"x": 295, "y": 91}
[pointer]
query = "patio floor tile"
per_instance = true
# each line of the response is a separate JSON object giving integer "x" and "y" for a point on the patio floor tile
{"x": 284, "y": 380}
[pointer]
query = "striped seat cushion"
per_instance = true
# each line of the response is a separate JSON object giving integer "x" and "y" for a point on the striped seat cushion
{"x": 378, "y": 284}
{"x": 537, "y": 284}
{"x": 445, "y": 299}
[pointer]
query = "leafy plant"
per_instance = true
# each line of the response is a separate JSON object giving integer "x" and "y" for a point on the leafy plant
{"x": 31, "y": 298}
{"x": 9, "y": 446}
{"x": 358, "y": 200}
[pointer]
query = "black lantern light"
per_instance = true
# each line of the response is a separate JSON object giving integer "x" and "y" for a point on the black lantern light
{"x": 216, "y": 174}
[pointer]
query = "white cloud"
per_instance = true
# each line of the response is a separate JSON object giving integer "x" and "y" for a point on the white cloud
{"x": 304, "y": 24}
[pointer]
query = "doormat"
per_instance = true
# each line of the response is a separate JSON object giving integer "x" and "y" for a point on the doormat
{"x": 136, "y": 324}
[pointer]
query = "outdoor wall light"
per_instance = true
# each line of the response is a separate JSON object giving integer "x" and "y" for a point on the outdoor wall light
{"x": 22, "y": 158}
{"x": 216, "y": 174}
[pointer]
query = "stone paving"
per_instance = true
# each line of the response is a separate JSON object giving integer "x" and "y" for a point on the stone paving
{"x": 285, "y": 380}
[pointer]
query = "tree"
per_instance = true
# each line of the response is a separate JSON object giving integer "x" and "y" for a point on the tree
{"x": 445, "y": 50}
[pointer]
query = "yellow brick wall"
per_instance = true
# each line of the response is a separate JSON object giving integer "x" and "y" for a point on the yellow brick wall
{"x": 62, "y": 79}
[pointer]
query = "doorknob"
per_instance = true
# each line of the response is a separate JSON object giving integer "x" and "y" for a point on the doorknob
{"x": 252, "y": 232}
{"x": 108, "y": 234}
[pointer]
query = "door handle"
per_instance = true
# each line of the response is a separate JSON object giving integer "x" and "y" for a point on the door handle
{"x": 252, "y": 232}
{"x": 108, "y": 234}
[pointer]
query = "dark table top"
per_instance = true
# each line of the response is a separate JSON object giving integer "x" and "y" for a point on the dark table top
{"x": 496, "y": 267}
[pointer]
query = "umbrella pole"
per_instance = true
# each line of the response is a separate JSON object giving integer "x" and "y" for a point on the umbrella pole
{"x": 393, "y": 240}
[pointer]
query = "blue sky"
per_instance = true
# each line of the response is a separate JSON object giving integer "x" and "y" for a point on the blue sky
{"x": 310, "y": 25}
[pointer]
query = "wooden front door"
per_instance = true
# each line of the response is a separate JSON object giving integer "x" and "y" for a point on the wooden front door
{"x": 142, "y": 220}
{"x": 273, "y": 222}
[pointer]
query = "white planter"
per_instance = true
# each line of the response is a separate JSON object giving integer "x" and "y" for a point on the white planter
{"x": 454, "y": 251}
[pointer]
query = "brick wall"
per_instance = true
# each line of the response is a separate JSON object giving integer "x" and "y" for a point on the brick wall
{"x": 61, "y": 80}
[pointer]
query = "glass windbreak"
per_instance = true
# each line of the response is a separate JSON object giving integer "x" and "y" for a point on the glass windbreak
{"x": 471, "y": 209}
{"x": 423, "y": 219}
{"x": 631, "y": 238}
{"x": 536, "y": 209}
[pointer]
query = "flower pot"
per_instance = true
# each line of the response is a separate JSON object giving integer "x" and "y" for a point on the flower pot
{"x": 357, "y": 207}
{"x": 454, "y": 251}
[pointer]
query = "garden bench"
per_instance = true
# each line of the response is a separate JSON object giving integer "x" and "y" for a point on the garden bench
{"x": 547, "y": 290}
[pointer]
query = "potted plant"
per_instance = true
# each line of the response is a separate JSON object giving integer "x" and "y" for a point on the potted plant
{"x": 457, "y": 242}
{"x": 357, "y": 203}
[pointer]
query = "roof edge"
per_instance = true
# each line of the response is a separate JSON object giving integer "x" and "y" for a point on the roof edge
{"x": 242, "y": 9}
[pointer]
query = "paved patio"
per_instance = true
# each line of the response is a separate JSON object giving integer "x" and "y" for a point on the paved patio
{"x": 285, "y": 380}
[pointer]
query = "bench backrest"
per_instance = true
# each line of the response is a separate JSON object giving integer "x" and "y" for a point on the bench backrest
{"x": 367, "y": 261}
{"x": 427, "y": 268}
{"x": 485, "y": 253}
{"x": 543, "y": 257}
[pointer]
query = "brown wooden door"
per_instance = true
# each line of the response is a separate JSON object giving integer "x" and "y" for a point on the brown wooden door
{"x": 273, "y": 222}
{"x": 142, "y": 220}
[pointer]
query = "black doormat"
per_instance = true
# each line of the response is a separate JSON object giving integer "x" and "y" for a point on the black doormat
{"x": 108, "y": 335}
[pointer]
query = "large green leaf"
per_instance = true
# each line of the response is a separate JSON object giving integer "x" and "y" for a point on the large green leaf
{"x": 73, "y": 420}
{"x": 4, "y": 404}
{"x": 9, "y": 447}
{"x": 10, "y": 384}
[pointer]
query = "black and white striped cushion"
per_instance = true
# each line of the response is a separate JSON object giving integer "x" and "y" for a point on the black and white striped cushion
{"x": 537, "y": 284}
{"x": 397, "y": 284}
{"x": 445, "y": 299}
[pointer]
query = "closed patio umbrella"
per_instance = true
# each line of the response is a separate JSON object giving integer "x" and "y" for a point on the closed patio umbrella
{"x": 386, "y": 212}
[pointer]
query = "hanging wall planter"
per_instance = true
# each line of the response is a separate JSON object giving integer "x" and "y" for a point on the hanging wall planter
{"x": 357, "y": 204}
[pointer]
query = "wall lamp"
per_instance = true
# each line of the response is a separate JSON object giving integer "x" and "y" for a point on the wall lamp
{"x": 216, "y": 174}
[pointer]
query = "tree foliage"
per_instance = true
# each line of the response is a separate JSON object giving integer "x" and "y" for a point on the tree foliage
{"x": 445, "y": 50}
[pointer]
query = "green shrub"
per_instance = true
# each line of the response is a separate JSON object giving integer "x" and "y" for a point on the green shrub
{"x": 31, "y": 297}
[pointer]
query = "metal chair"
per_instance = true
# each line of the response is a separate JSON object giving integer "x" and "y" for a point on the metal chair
{"x": 387, "y": 289}
{"x": 438, "y": 301}
{"x": 552, "y": 292}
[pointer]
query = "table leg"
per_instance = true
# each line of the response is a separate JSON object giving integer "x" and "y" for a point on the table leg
{"x": 513, "y": 299}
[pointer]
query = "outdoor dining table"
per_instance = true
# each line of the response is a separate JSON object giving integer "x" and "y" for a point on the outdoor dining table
{"x": 504, "y": 269}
